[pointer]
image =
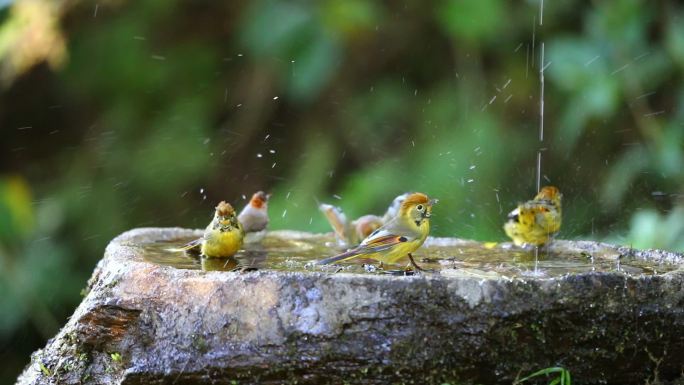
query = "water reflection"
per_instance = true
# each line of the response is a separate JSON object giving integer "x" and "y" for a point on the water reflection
{"x": 283, "y": 253}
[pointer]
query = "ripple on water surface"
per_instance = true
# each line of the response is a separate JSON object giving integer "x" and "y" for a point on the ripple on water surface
{"x": 285, "y": 251}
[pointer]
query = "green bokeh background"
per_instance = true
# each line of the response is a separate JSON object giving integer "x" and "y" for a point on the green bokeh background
{"x": 159, "y": 109}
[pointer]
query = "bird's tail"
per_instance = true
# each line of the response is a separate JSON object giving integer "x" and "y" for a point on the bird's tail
{"x": 340, "y": 257}
{"x": 337, "y": 220}
{"x": 187, "y": 246}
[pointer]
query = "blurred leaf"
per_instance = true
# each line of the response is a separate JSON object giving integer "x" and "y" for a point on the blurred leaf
{"x": 174, "y": 150}
{"x": 31, "y": 36}
{"x": 670, "y": 152}
{"x": 285, "y": 22}
{"x": 303, "y": 51}
{"x": 472, "y": 21}
{"x": 313, "y": 65}
{"x": 16, "y": 211}
{"x": 39, "y": 280}
{"x": 651, "y": 67}
{"x": 294, "y": 203}
{"x": 649, "y": 229}
{"x": 579, "y": 68}
{"x": 377, "y": 116}
{"x": 622, "y": 22}
{"x": 361, "y": 195}
{"x": 350, "y": 17}
{"x": 621, "y": 175}
{"x": 674, "y": 40}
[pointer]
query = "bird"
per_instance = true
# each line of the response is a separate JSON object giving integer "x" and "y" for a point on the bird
{"x": 338, "y": 221}
{"x": 393, "y": 208}
{"x": 363, "y": 226}
{"x": 222, "y": 238}
{"x": 351, "y": 233}
{"x": 254, "y": 216}
{"x": 398, "y": 238}
{"x": 536, "y": 222}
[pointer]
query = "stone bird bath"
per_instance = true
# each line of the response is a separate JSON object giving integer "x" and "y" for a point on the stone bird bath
{"x": 608, "y": 314}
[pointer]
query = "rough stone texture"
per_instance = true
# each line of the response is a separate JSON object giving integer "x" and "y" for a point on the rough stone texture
{"x": 191, "y": 327}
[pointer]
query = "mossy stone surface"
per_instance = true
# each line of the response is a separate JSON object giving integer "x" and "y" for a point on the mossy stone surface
{"x": 142, "y": 323}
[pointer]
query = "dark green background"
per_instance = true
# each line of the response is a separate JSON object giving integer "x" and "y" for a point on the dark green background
{"x": 159, "y": 109}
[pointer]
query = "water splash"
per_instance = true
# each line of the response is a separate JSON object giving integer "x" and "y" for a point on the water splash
{"x": 542, "y": 67}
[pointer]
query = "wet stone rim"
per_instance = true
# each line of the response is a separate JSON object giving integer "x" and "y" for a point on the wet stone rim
{"x": 144, "y": 323}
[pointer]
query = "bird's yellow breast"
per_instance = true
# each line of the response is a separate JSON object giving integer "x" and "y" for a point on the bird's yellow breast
{"x": 222, "y": 244}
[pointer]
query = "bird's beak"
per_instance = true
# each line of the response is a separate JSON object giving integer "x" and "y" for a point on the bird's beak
{"x": 433, "y": 201}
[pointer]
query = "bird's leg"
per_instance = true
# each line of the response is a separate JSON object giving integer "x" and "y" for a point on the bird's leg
{"x": 414, "y": 264}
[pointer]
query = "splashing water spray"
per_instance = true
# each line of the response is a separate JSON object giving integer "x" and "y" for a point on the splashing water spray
{"x": 542, "y": 67}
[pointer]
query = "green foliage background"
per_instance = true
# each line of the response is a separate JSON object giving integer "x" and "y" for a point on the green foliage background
{"x": 155, "y": 110}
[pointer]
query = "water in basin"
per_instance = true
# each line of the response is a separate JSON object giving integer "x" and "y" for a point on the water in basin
{"x": 289, "y": 251}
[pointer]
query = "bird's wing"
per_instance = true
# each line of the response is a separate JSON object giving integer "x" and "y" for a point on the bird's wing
{"x": 381, "y": 242}
{"x": 513, "y": 215}
{"x": 548, "y": 217}
{"x": 337, "y": 220}
{"x": 378, "y": 243}
{"x": 365, "y": 225}
{"x": 391, "y": 234}
{"x": 187, "y": 246}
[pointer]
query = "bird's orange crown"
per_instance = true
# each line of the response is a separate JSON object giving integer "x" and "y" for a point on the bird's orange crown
{"x": 415, "y": 199}
{"x": 259, "y": 199}
{"x": 548, "y": 192}
{"x": 224, "y": 209}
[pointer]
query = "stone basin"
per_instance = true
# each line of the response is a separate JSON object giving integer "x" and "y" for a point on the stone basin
{"x": 610, "y": 315}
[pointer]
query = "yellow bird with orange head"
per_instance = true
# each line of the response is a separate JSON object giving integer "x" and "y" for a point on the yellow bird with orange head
{"x": 399, "y": 237}
{"x": 536, "y": 222}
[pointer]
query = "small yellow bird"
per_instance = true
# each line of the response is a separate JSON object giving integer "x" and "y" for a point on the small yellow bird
{"x": 224, "y": 235}
{"x": 537, "y": 221}
{"x": 222, "y": 238}
{"x": 397, "y": 238}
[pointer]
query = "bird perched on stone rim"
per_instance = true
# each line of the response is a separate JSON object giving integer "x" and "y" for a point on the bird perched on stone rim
{"x": 399, "y": 237}
{"x": 254, "y": 216}
{"x": 223, "y": 237}
{"x": 537, "y": 221}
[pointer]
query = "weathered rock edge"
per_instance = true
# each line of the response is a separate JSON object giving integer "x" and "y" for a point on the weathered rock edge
{"x": 147, "y": 324}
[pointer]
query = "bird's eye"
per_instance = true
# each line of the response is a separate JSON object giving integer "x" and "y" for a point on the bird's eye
{"x": 420, "y": 207}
